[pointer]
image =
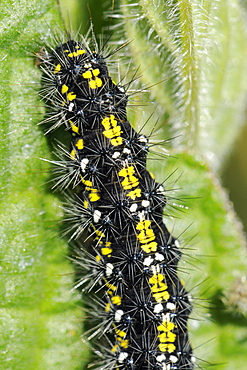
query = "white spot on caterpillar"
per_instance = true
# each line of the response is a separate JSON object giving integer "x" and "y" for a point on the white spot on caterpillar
{"x": 166, "y": 317}
{"x": 133, "y": 207}
{"x": 159, "y": 257}
{"x": 173, "y": 358}
{"x": 141, "y": 215}
{"x": 126, "y": 151}
{"x": 155, "y": 269}
{"x": 158, "y": 308}
{"x": 84, "y": 163}
{"x": 115, "y": 155}
{"x": 109, "y": 269}
{"x": 145, "y": 203}
{"x": 143, "y": 139}
{"x": 122, "y": 356}
{"x": 161, "y": 189}
{"x": 161, "y": 358}
{"x": 148, "y": 261}
{"x": 96, "y": 216}
{"x": 71, "y": 106}
{"x": 118, "y": 315}
{"x": 170, "y": 306}
{"x": 166, "y": 367}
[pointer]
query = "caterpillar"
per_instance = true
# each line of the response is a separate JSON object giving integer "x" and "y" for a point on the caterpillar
{"x": 125, "y": 253}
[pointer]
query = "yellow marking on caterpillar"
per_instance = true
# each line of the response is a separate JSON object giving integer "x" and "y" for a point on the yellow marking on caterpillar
{"x": 146, "y": 235}
{"x": 87, "y": 182}
{"x": 74, "y": 127}
{"x": 114, "y": 348}
{"x": 143, "y": 225}
{"x": 91, "y": 73}
{"x": 159, "y": 288}
{"x": 97, "y": 258}
{"x": 128, "y": 171}
{"x": 64, "y": 89}
{"x": 94, "y": 195}
{"x": 106, "y": 251}
{"x": 72, "y": 154}
{"x": 113, "y": 132}
{"x": 85, "y": 204}
{"x": 87, "y": 74}
{"x": 120, "y": 333}
{"x": 166, "y": 326}
{"x": 162, "y": 296}
{"x": 94, "y": 81}
{"x": 123, "y": 342}
{"x": 163, "y": 347}
{"x": 76, "y": 53}
{"x": 134, "y": 194}
{"x": 71, "y": 96}
{"x": 158, "y": 284}
{"x": 116, "y": 300}
{"x": 81, "y": 51}
{"x": 129, "y": 181}
{"x": 157, "y": 279}
{"x": 106, "y": 244}
{"x": 107, "y": 307}
{"x": 80, "y": 144}
{"x": 57, "y": 68}
{"x": 111, "y": 286}
{"x": 109, "y": 122}
{"x": 117, "y": 141}
{"x": 95, "y": 72}
{"x": 167, "y": 337}
{"x": 99, "y": 233}
{"x": 151, "y": 247}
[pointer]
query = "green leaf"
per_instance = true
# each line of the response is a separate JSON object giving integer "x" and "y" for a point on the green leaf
{"x": 199, "y": 52}
{"x": 40, "y": 316}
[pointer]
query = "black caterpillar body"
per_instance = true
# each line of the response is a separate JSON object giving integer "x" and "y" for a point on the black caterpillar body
{"x": 132, "y": 259}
